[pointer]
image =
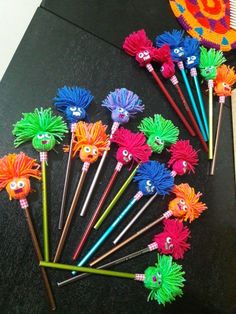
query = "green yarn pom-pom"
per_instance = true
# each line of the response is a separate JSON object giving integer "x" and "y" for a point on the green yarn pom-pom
{"x": 160, "y": 132}
{"x": 42, "y": 127}
{"x": 210, "y": 60}
{"x": 165, "y": 280}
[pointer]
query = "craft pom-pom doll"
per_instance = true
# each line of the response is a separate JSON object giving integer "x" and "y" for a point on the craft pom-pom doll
{"x": 45, "y": 131}
{"x": 15, "y": 173}
{"x": 73, "y": 102}
{"x": 160, "y": 132}
{"x": 89, "y": 143}
{"x": 132, "y": 148}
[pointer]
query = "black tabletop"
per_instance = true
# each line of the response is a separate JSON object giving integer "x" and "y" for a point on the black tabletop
{"x": 79, "y": 43}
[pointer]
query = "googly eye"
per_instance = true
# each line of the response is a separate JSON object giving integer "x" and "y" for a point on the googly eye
{"x": 125, "y": 152}
{"x": 185, "y": 207}
{"x": 146, "y": 52}
{"x": 21, "y": 184}
{"x": 193, "y": 58}
{"x": 140, "y": 55}
{"x": 171, "y": 246}
{"x": 87, "y": 149}
{"x": 168, "y": 240}
{"x": 158, "y": 140}
{"x": 130, "y": 156}
{"x": 152, "y": 188}
{"x": 159, "y": 282}
{"x": 121, "y": 110}
{"x": 158, "y": 274}
{"x": 95, "y": 152}
{"x": 12, "y": 185}
{"x": 149, "y": 183}
{"x": 47, "y": 135}
{"x": 182, "y": 201}
{"x": 162, "y": 69}
{"x": 185, "y": 164}
{"x": 176, "y": 50}
{"x": 73, "y": 108}
{"x": 181, "y": 48}
{"x": 40, "y": 136}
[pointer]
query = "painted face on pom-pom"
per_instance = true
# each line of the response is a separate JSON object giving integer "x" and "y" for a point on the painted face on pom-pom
{"x": 177, "y": 53}
{"x": 165, "y": 243}
{"x": 192, "y": 61}
{"x": 179, "y": 207}
{"x": 209, "y": 72}
{"x": 120, "y": 115}
{"x": 75, "y": 113}
{"x": 89, "y": 153}
{"x": 18, "y": 188}
{"x": 123, "y": 156}
{"x": 154, "y": 277}
{"x": 44, "y": 141}
{"x": 143, "y": 57}
{"x": 223, "y": 89}
{"x": 147, "y": 187}
{"x": 167, "y": 70}
{"x": 180, "y": 167}
{"x": 156, "y": 143}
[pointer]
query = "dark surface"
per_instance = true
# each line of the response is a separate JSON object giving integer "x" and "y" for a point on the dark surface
{"x": 52, "y": 53}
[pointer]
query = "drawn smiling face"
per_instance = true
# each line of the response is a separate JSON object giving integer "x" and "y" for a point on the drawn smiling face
{"x": 143, "y": 57}
{"x": 120, "y": 115}
{"x": 75, "y": 113}
{"x": 191, "y": 61}
{"x": 43, "y": 142}
{"x": 18, "y": 188}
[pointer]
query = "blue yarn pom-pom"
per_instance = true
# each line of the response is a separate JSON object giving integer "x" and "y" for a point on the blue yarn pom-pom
{"x": 153, "y": 177}
{"x": 123, "y": 104}
{"x": 73, "y": 102}
{"x": 191, "y": 52}
{"x": 175, "y": 40}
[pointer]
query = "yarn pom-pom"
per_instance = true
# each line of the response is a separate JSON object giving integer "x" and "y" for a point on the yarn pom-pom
{"x": 132, "y": 146}
{"x": 186, "y": 206}
{"x": 173, "y": 239}
{"x": 176, "y": 42}
{"x": 160, "y": 132}
{"x": 191, "y": 52}
{"x": 224, "y": 80}
{"x": 73, "y": 102}
{"x": 165, "y": 280}
{"x": 210, "y": 60}
{"x": 15, "y": 171}
{"x": 153, "y": 177}
{"x": 184, "y": 157}
{"x": 123, "y": 104}
{"x": 163, "y": 56}
{"x": 42, "y": 127}
{"x": 90, "y": 140}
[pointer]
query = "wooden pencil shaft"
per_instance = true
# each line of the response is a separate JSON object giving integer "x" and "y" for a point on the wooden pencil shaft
{"x": 131, "y": 238}
{"x": 212, "y": 171}
{"x": 39, "y": 258}
{"x": 70, "y": 216}
{"x": 45, "y": 212}
{"x": 233, "y": 108}
{"x": 210, "y": 121}
{"x": 66, "y": 184}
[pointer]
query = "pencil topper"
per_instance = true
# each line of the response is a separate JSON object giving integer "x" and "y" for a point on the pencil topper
{"x": 73, "y": 102}
{"x": 210, "y": 60}
{"x": 176, "y": 42}
{"x": 186, "y": 205}
{"x": 123, "y": 105}
{"x": 184, "y": 157}
{"x": 225, "y": 78}
{"x": 15, "y": 171}
{"x": 165, "y": 280}
{"x": 173, "y": 239}
{"x": 191, "y": 52}
{"x": 90, "y": 140}
{"x": 42, "y": 127}
{"x": 153, "y": 177}
{"x": 132, "y": 146}
{"x": 159, "y": 131}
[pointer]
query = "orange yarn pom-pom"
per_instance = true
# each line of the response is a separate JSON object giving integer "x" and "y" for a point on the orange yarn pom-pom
{"x": 225, "y": 79}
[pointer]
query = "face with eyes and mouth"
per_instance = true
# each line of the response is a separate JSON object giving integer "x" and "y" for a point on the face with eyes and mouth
{"x": 191, "y": 61}
{"x": 147, "y": 187}
{"x": 143, "y": 57}
{"x": 156, "y": 143}
{"x": 177, "y": 53}
{"x": 43, "y": 142}
{"x": 120, "y": 115}
{"x": 18, "y": 188}
{"x": 123, "y": 156}
{"x": 179, "y": 207}
{"x": 222, "y": 89}
{"x": 154, "y": 277}
{"x": 180, "y": 167}
{"x": 88, "y": 153}
{"x": 209, "y": 72}
{"x": 165, "y": 243}
{"x": 75, "y": 113}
